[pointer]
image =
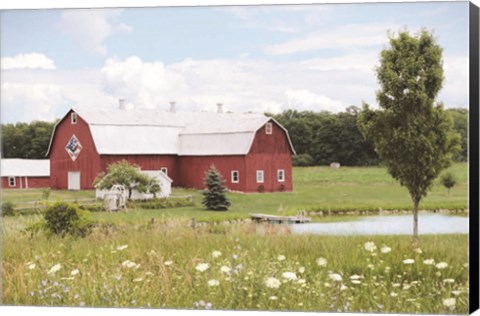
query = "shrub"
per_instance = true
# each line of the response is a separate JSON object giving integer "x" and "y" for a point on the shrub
{"x": 161, "y": 203}
{"x": 93, "y": 208}
{"x": 8, "y": 208}
{"x": 63, "y": 218}
{"x": 260, "y": 188}
{"x": 448, "y": 180}
{"x": 302, "y": 160}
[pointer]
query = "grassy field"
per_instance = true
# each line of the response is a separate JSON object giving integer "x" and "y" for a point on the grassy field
{"x": 130, "y": 261}
{"x": 243, "y": 267}
{"x": 315, "y": 188}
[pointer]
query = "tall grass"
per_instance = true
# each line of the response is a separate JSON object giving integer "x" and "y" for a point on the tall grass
{"x": 160, "y": 265}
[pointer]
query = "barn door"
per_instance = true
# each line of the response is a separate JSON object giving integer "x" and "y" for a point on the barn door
{"x": 74, "y": 180}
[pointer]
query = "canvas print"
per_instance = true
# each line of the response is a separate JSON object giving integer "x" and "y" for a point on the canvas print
{"x": 262, "y": 157}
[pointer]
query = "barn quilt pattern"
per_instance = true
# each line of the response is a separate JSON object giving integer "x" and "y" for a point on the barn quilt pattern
{"x": 73, "y": 147}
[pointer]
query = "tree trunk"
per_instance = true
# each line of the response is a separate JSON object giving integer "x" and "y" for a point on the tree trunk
{"x": 129, "y": 194}
{"x": 416, "y": 202}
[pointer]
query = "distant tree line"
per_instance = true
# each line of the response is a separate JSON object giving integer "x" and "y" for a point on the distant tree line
{"x": 26, "y": 140}
{"x": 320, "y": 138}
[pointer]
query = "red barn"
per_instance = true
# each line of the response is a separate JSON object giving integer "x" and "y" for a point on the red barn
{"x": 251, "y": 151}
{"x": 25, "y": 173}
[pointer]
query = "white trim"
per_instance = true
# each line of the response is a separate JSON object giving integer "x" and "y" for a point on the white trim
{"x": 73, "y": 118}
{"x": 269, "y": 128}
{"x": 260, "y": 172}
{"x": 232, "y": 178}
{"x": 164, "y": 170}
{"x": 281, "y": 172}
{"x": 10, "y": 182}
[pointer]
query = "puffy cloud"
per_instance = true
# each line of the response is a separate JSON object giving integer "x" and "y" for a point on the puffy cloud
{"x": 304, "y": 100}
{"x": 90, "y": 27}
{"x": 31, "y": 60}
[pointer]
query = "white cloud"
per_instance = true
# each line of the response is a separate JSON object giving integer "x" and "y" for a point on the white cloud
{"x": 344, "y": 37}
{"x": 306, "y": 100}
{"x": 456, "y": 83}
{"x": 31, "y": 60}
{"x": 90, "y": 27}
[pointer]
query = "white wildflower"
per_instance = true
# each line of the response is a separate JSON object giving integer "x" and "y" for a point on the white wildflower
{"x": 122, "y": 247}
{"x": 449, "y": 302}
{"x": 55, "y": 268}
{"x": 301, "y": 281}
{"x": 408, "y": 261}
{"x": 213, "y": 282}
{"x": 355, "y": 277}
{"x": 168, "y": 263}
{"x": 370, "y": 246}
{"x": 441, "y": 265}
{"x": 202, "y": 267}
{"x": 429, "y": 261}
{"x": 273, "y": 283}
{"x": 393, "y": 294}
{"x": 343, "y": 288}
{"x": 322, "y": 262}
{"x": 301, "y": 270}
{"x": 289, "y": 275}
{"x": 281, "y": 258}
{"x": 456, "y": 293}
{"x": 137, "y": 280}
{"x": 129, "y": 264}
{"x": 406, "y": 286}
{"x": 75, "y": 272}
{"x": 31, "y": 266}
{"x": 385, "y": 249}
{"x": 356, "y": 281}
{"x": 149, "y": 273}
{"x": 225, "y": 269}
{"x": 449, "y": 281}
{"x": 273, "y": 298}
{"x": 335, "y": 277}
{"x": 216, "y": 254}
{"x": 418, "y": 250}
{"x": 396, "y": 284}
{"x": 370, "y": 266}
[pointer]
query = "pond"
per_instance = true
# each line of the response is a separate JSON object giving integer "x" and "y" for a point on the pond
{"x": 388, "y": 225}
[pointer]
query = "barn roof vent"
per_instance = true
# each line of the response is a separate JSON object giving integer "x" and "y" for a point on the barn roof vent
{"x": 172, "y": 106}
{"x": 219, "y": 108}
{"x": 121, "y": 104}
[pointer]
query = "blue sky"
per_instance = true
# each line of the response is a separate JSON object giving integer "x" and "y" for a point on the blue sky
{"x": 251, "y": 58}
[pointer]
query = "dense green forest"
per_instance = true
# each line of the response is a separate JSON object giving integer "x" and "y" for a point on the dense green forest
{"x": 26, "y": 140}
{"x": 319, "y": 138}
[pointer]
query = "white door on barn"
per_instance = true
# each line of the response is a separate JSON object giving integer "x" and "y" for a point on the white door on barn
{"x": 74, "y": 180}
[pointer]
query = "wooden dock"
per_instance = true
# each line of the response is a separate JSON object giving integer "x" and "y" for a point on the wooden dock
{"x": 275, "y": 219}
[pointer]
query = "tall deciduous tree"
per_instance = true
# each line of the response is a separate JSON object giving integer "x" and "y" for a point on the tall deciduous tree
{"x": 412, "y": 135}
{"x": 215, "y": 194}
{"x": 129, "y": 176}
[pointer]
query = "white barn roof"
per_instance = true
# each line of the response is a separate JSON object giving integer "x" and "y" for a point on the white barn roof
{"x": 25, "y": 167}
{"x": 152, "y": 131}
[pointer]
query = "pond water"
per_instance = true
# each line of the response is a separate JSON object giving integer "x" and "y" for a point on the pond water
{"x": 388, "y": 225}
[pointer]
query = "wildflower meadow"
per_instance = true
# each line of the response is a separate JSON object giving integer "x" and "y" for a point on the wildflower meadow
{"x": 242, "y": 267}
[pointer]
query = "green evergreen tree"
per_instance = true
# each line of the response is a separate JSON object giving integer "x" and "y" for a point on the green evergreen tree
{"x": 214, "y": 196}
{"x": 448, "y": 180}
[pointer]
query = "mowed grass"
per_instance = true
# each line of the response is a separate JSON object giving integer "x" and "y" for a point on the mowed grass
{"x": 241, "y": 267}
{"x": 315, "y": 188}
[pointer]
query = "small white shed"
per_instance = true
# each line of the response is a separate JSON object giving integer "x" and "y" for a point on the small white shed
{"x": 164, "y": 181}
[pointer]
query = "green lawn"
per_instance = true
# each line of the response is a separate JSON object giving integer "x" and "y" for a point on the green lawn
{"x": 315, "y": 188}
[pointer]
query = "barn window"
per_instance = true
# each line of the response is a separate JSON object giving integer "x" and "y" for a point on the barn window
{"x": 164, "y": 170}
{"x": 259, "y": 176}
{"x": 235, "y": 176}
{"x": 268, "y": 128}
{"x": 281, "y": 175}
{"x": 11, "y": 181}
{"x": 74, "y": 118}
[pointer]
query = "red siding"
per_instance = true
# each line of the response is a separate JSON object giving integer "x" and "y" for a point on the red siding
{"x": 146, "y": 162}
{"x": 269, "y": 152}
{"x": 24, "y": 182}
{"x": 192, "y": 170}
{"x": 87, "y": 162}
